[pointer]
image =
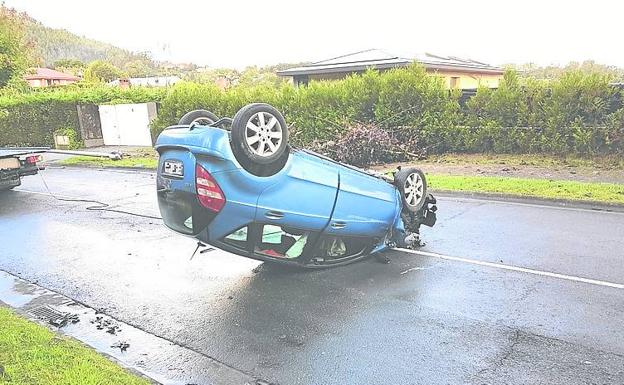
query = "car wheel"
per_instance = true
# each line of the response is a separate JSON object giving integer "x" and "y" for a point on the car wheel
{"x": 201, "y": 117}
{"x": 259, "y": 135}
{"x": 412, "y": 185}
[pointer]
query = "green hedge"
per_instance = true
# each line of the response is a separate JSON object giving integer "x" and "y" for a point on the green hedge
{"x": 30, "y": 119}
{"x": 33, "y": 124}
{"x": 577, "y": 113}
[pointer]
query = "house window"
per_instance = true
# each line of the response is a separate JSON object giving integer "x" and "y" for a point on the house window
{"x": 454, "y": 83}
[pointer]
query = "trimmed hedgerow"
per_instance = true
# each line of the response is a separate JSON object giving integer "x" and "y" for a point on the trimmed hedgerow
{"x": 30, "y": 119}
{"x": 578, "y": 113}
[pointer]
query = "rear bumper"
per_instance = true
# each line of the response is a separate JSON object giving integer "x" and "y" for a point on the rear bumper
{"x": 29, "y": 170}
{"x": 181, "y": 210}
{"x": 9, "y": 179}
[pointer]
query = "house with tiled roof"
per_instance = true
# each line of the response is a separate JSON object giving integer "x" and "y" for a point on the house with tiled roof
{"x": 45, "y": 77}
{"x": 456, "y": 72}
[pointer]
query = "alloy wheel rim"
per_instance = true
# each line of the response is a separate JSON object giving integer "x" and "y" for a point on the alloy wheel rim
{"x": 413, "y": 189}
{"x": 263, "y": 134}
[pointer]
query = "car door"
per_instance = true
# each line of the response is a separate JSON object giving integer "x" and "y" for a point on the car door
{"x": 303, "y": 198}
{"x": 365, "y": 206}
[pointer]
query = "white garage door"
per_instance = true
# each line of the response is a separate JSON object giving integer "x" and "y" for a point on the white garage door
{"x": 126, "y": 124}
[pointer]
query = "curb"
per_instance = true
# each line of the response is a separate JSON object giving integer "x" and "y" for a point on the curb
{"x": 145, "y": 351}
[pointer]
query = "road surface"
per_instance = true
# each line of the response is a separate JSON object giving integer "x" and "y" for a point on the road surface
{"x": 503, "y": 293}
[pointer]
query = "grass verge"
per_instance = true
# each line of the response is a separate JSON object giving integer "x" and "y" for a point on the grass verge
{"x": 538, "y": 188}
{"x": 597, "y": 162}
{"x": 32, "y": 354}
{"x": 148, "y": 162}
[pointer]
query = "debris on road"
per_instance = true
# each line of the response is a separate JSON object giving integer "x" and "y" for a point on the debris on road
{"x": 106, "y": 324}
{"x": 121, "y": 345}
{"x": 412, "y": 269}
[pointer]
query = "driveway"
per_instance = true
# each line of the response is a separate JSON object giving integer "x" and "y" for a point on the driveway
{"x": 504, "y": 293}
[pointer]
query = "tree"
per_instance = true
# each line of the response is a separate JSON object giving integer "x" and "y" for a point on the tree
{"x": 102, "y": 71}
{"x": 68, "y": 63}
{"x": 71, "y": 66}
{"x": 14, "y": 53}
{"x": 138, "y": 68}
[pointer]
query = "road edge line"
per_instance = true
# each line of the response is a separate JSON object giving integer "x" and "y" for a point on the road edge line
{"x": 515, "y": 268}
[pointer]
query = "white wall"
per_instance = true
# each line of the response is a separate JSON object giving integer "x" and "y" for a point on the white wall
{"x": 127, "y": 124}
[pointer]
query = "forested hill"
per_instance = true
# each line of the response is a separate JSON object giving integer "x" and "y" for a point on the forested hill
{"x": 51, "y": 45}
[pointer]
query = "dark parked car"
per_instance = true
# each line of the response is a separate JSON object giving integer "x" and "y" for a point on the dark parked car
{"x": 16, "y": 163}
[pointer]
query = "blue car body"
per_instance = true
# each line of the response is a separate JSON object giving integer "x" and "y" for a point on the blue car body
{"x": 310, "y": 193}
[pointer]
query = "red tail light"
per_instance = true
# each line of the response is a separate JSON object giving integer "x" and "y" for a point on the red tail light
{"x": 33, "y": 159}
{"x": 208, "y": 191}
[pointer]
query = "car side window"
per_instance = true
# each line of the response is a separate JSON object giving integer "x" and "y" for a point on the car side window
{"x": 279, "y": 242}
{"x": 238, "y": 238}
{"x": 336, "y": 247}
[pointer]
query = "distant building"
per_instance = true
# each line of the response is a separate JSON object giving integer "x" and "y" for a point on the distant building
{"x": 45, "y": 77}
{"x": 151, "y": 81}
{"x": 456, "y": 72}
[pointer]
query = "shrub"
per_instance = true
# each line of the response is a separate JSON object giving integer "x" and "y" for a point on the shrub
{"x": 74, "y": 137}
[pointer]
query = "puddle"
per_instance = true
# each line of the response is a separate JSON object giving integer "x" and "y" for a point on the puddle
{"x": 160, "y": 359}
{"x": 13, "y": 291}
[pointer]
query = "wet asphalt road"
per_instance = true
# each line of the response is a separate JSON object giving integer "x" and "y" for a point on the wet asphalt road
{"x": 417, "y": 320}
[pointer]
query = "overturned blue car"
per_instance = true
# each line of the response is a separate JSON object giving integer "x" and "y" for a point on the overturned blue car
{"x": 238, "y": 185}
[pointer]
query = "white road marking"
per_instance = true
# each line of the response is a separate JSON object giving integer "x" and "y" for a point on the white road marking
{"x": 515, "y": 268}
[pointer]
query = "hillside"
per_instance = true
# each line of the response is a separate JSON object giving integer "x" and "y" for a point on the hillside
{"x": 55, "y": 44}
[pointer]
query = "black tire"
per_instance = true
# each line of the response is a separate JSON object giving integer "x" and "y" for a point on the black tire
{"x": 417, "y": 186}
{"x": 202, "y": 117}
{"x": 269, "y": 148}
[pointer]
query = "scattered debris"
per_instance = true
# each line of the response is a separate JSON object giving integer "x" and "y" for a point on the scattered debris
{"x": 106, "y": 324}
{"x": 382, "y": 258}
{"x": 412, "y": 269}
{"x": 121, "y": 345}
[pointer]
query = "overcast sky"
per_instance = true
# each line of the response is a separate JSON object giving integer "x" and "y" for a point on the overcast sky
{"x": 234, "y": 33}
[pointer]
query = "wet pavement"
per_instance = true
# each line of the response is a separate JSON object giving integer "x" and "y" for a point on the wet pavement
{"x": 418, "y": 320}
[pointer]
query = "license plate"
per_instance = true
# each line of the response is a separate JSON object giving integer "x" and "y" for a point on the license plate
{"x": 173, "y": 168}
{"x": 9, "y": 164}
